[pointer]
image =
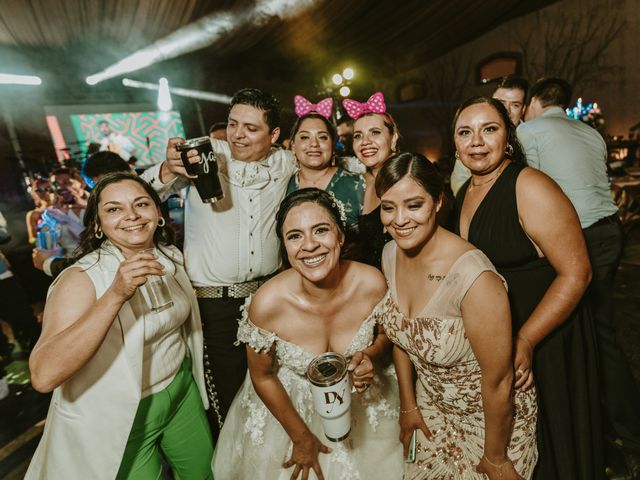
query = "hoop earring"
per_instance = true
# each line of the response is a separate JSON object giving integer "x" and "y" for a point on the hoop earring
{"x": 161, "y": 222}
{"x": 509, "y": 150}
{"x": 99, "y": 234}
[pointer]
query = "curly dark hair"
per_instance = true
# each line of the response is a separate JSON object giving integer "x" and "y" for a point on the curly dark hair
{"x": 310, "y": 195}
{"x": 266, "y": 102}
{"x": 518, "y": 155}
{"x": 88, "y": 240}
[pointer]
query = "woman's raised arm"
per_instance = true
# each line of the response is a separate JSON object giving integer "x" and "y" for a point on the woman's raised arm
{"x": 75, "y": 323}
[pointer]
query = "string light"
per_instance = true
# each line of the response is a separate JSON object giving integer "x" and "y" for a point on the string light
{"x": 580, "y": 111}
{"x": 338, "y": 84}
{"x": 591, "y": 114}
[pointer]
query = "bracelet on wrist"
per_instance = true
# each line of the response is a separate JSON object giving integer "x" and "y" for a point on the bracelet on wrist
{"x": 409, "y": 410}
{"x": 498, "y": 467}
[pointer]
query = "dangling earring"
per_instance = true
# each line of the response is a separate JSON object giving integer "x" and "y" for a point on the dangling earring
{"x": 457, "y": 155}
{"x": 509, "y": 150}
{"x": 99, "y": 234}
{"x": 161, "y": 222}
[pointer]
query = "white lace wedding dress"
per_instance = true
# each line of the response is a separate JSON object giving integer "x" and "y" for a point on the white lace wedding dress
{"x": 253, "y": 445}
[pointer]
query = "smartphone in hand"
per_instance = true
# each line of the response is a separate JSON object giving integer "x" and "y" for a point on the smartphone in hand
{"x": 411, "y": 453}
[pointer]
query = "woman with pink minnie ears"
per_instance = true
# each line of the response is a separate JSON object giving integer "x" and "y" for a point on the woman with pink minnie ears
{"x": 313, "y": 138}
{"x": 375, "y": 139}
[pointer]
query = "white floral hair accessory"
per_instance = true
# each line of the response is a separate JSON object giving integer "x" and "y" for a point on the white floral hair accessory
{"x": 340, "y": 206}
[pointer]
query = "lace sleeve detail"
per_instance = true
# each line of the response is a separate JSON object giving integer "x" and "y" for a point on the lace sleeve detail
{"x": 381, "y": 308}
{"x": 258, "y": 339}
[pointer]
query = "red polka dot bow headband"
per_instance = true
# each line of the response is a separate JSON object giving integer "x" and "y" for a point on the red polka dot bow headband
{"x": 304, "y": 106}
{"x": 355, "y": 109}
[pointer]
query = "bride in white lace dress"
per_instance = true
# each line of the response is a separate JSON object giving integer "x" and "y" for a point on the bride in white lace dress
{"x": 321, "y": 304}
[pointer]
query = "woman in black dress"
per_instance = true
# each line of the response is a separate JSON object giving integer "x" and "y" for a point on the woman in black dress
{"x": 529, "y": 230}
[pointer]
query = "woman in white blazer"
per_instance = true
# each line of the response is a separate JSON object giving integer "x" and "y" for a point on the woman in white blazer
{"x": 128, "y": 384}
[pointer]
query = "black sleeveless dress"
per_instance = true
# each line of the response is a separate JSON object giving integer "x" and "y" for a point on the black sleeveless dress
{"x": 570, "y": 439}
{"x": 371, "y": 238}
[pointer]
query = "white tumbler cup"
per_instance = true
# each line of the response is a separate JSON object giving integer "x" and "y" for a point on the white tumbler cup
{"x": 331, "y": 394}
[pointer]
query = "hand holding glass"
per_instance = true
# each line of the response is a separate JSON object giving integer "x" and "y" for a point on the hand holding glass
{"x": 156, "y": 291}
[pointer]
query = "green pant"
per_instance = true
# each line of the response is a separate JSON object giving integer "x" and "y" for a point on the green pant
{"x": 170, "y": 424}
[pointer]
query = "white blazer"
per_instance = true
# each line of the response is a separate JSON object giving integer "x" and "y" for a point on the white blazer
{"x": 91, "y": 414}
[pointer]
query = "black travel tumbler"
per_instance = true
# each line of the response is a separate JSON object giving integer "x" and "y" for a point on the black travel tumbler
{"x": 206, "y": 171}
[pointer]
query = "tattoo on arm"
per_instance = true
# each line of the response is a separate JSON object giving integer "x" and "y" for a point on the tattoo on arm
{"x": 435, "y": 278}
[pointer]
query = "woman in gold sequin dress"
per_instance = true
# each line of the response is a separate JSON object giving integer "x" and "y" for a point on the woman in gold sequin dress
{"x": 447, "y": 313}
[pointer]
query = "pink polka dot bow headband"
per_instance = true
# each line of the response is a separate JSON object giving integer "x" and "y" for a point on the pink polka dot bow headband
{"x": 355, "y": 109}
{"x": 304, "y": 106}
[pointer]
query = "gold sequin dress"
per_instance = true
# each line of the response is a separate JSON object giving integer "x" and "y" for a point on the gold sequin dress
{"x": 448, "y": 386}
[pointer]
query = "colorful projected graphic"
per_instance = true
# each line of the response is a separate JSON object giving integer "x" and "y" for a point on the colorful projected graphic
{"x": 145, "y": 133}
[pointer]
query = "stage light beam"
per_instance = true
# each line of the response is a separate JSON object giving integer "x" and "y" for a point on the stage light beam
{"x": 202, "y": 33}
{"x": 11, "y": 79}
{"x": 182, "y": 92}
